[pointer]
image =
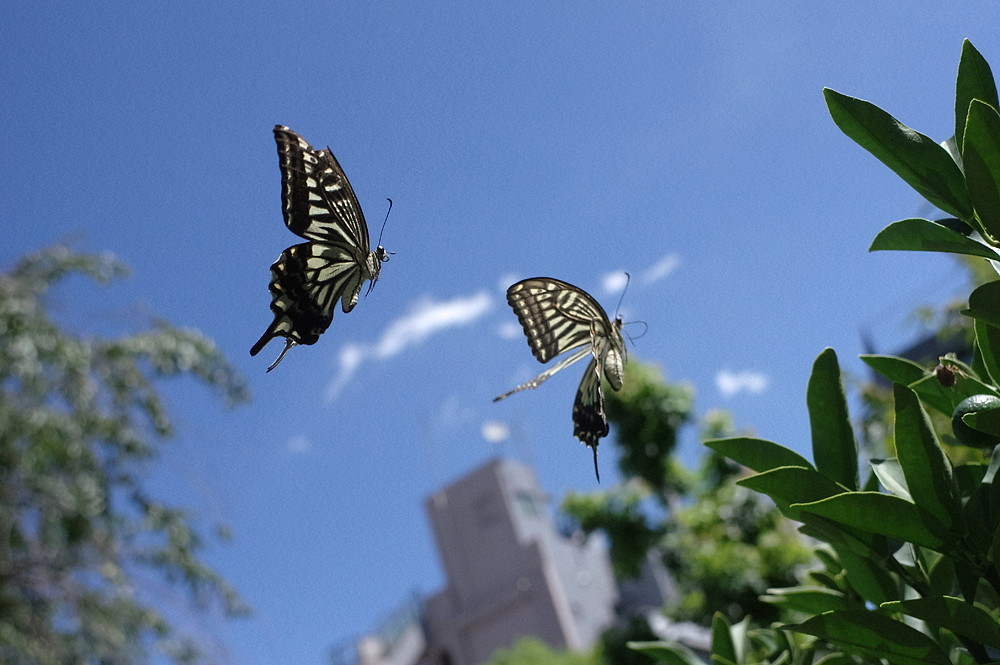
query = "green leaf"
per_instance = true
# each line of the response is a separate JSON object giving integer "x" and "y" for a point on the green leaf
{"x": 890, "y": 474}
{"x": 896, "y": 369}
{"x": 975, "y": 81}
{"x": 834, "y": 447}
{"x": 868, "y": 579}
{"x": 792, "y": 484}
{"x": 836, "y": 659}
{"x": 923, "y": 235}
{"x": 945, "y": 399}
{"x": 981, "y": 156}
{"x": 984, "y": 421}
{"x": 757, "y": 454}
{"x": 722, "y": 639}
{"x": 811, "y": 600}
{"x": 669, "y": 653}
{"x": 882, "y": 514}
{"x": 988, "y": 342}
{"x": 875, "y": 635}
{"x": 917, "y": 159}
{"x": 984, "y": 303}
{"x": 956, "y": 615}
{"x": 924, "y": 462}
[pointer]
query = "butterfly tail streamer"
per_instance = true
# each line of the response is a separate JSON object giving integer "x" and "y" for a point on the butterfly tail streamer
{"x": 547, "y": 374}
{"x": 288, "y": 344}
{"x": 597, "y": 471}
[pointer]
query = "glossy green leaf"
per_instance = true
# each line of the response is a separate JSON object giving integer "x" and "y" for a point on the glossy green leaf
{"x": 757, "y": 454}
{"x": 975, "y": 81}
{"x": 875, "y": 635}
{"x": 896, "y": 369}
{"x": 792, "y": 484}
{"x": 722, "y": 639}
{"x": 984, "y": 303}
{"x": 835, "y": 449}
{"x": 668, "y": 653}
{"x": 811, "y": 600}
{"x": 836, "y": 659}
{"x": 882, "y": 514}
{"x": 890, "y": 475}
{"x": 868, "y": 579}
{"x": 946, "y": 398}
{"x": 924, "y": 462}
{"x": 954, "y": 614}
{"x": 981, "y": 156}
{"x": 917, "y": 159}
{"x": 924, "y": 235}
{"x": 970, "y": 478}
{"x": 984, "y": 421}
{"x": 988, "y": 343}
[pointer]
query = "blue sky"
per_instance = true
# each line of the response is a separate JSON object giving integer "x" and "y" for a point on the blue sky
{"x": 686, "y": 143}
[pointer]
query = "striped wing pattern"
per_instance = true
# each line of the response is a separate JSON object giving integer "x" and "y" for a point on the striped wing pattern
{"x": 308, "y": 279}
{"x": 589, "y": 422}
{"x": 558, "y": 317}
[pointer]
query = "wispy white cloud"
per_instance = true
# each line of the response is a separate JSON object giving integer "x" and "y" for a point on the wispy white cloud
{"x": 661, "y": 269}
{"x": 494, "y": 431}
{"x": 614, "y": 282}
{"x": 509, "y": 330}
{"x": 506, "y": 280}
{"x": 298, "y": 444}
{"x": 731, "y": 383}
{"x": 425, "y": 318}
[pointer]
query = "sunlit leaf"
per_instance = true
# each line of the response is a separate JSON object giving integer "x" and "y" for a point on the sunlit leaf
{"x": 917, "y": 159}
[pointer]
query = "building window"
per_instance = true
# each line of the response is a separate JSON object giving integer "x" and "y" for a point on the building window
{"x": 527, "y": 503}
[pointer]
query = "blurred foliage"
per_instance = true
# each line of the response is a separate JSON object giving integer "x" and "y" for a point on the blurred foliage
{"x": 79, "y": 419}
{"x": 532, "y": 651}
{"x": 724, "y": 546}
{"x": 614, "y": 642}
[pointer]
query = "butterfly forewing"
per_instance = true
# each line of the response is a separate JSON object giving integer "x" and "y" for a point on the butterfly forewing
{"x": 317, "y": 200}
{"x": 308, "y": 279}
{"x": 555, "y": 316}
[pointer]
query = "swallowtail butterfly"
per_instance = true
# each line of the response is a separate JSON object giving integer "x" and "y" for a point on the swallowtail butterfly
{"x": 319, "y": 205}
{"x": 556, "y": 318}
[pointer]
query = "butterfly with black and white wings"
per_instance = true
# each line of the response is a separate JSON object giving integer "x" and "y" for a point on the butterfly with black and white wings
{"x": 307, "y": 280}
{"x": 558, "y": 317}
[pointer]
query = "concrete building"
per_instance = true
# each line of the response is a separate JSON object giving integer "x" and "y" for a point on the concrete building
{"x": 510, "y": 573}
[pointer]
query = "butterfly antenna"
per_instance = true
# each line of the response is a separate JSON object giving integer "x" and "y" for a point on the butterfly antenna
{"x": 597, "y": 472}
{"x": 288, "y": 344}
{"x": 628, "y": 278}
{"x": 379, "y": 243}
{"x": 645, "y": 329}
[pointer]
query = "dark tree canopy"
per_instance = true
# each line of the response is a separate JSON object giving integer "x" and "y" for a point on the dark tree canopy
{"x": 79, "y": 534}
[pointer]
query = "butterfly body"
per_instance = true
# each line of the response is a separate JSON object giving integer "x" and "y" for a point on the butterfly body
{"x": 307, "y": 280}
{"x": 558, "y": 317}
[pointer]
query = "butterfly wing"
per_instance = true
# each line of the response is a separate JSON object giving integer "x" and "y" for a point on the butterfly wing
{"x": 318, "y": 204}
{"x": 306, "y": 282}
{"x": 544, "y": 376}
{"x": 589, "y": 423}
{"x": 556, "y": 316}
{"x": 317, "y": 200}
